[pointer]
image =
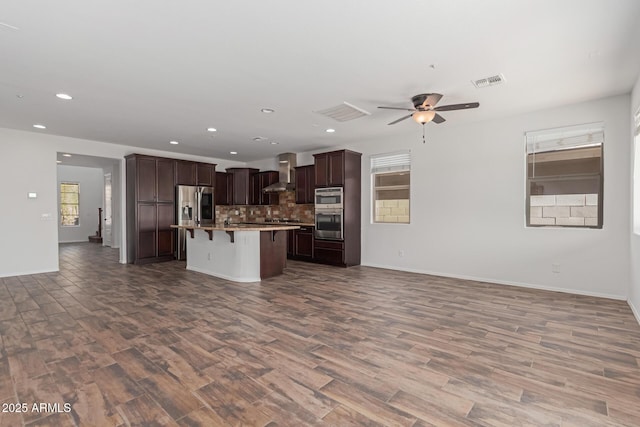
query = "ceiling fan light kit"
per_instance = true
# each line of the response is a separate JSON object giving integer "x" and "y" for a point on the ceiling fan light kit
{"x": 423, "y": 117}
{"x": 425, "y": 111}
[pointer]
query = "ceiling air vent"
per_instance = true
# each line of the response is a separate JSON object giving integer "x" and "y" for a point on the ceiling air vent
{"x": 344, "y": 112}
{"x": 489, "y": 81}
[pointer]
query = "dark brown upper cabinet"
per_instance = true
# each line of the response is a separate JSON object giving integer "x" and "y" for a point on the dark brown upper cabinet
{"x": 242, "y": 189}
{"x": 332, "y": 168}
{"x": 223, "y": 192}
{"x": 185, "y": 172}
{"x": 205, "y": 174}
{"x": 260, "y": 181}
{"x": 305, "y": 184}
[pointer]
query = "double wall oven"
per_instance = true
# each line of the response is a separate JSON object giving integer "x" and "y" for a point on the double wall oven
{"x": 329, "y": 212}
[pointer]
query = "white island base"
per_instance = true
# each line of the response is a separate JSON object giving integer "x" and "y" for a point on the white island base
{"x": 237, "y": 254}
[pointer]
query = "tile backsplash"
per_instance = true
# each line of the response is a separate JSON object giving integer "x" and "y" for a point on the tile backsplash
{"x": 287, "y": 208}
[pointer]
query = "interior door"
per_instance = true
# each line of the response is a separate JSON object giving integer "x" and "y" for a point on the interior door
{"x": 106, "y": 232}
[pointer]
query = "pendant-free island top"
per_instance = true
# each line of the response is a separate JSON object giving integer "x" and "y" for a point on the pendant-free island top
{"x": 238, "y": 252}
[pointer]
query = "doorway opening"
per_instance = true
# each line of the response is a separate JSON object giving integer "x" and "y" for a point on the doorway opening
{"x": 94, "y": 205}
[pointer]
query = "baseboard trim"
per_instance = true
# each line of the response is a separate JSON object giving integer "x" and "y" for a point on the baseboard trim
{"x": 635, "y": 311}
{"x": 503, "y": 282}
{"x": 27, "y": 273}
{"x": 223, "y": 276}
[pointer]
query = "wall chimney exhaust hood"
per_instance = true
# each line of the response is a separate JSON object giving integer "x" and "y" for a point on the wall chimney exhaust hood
{"x": 286, "y": 165}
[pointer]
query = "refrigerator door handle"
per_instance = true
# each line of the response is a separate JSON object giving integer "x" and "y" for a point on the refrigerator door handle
{"x": 198, "y": 208}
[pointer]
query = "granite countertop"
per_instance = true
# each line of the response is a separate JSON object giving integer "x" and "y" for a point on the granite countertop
{"x": 242, "y": 227}
{"x": 301, "y": 224}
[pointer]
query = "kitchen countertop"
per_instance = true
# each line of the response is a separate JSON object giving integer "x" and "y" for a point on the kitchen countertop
{"x": 242, "y": 227}
{"x": 301, "y": 224}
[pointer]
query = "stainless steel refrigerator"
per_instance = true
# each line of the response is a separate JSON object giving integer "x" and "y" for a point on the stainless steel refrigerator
{"x": 194, "y": 206}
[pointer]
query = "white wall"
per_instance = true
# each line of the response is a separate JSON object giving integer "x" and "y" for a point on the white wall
{"x": 634, "y": 287}
{"x": 30, "y": 242}
{"x": 483, "y": 165}
{"x": 91, "y": 182}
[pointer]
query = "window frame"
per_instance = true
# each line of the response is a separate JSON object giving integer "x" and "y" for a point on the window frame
{"x": 397, "y": 162}
{"x": 61, "y": 204}
{"x": 556, "y": 136}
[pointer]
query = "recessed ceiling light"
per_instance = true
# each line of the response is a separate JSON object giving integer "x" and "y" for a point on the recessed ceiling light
{"x": 233, "y": 152}
{"x": 211, "y": 129}
{"x": 64, "y": 96}
{"x": 274, "y": 143}
{"x": 258, "y": 138}
{"x": 268, "y": 110}
{"x": 58, "y": 161}
{"x": 19, "y": 95}
{"x": 174, "y": 142}
{"x": 330, "y": 130}
{"x": 66, "y": 155}
{"x": 38, "y": 126}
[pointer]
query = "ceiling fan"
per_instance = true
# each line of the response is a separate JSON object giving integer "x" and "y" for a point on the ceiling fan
{"x": 425, "y": 110}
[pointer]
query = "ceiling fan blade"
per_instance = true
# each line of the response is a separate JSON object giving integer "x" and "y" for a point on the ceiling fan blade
{"x": 398, "y": 108}
{"x": 400, "y": 119}
{"x": 425, "y": 99}
{"x": 438, "y": 118}
{"x": 432, "y": 99}
{"x": 458, "y": 106}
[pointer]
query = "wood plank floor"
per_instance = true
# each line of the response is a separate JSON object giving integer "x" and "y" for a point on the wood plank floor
{"x": 157, "y": 345}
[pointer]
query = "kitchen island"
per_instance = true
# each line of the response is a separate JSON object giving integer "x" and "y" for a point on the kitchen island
{"x": 240, "y": 252}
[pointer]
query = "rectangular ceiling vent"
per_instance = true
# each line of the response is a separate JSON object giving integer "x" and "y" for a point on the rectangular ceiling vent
{"x": 489, "y": 81}
{"x": 344, "y": 112}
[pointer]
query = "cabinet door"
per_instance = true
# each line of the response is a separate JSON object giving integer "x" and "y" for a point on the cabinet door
{"x": 255, "y": 193}
{"x": 268, "y": 178}
{"x": 166, "y": 181}
{"x": 146, "y": 179}
{"x": 302, "y": 184}
{"x": 147, "y": 226}
{"x": 185, "y": 172}
{"x": 165, "y": 232}
{"x": 305, "y": 184}
{"x": 205, "y": 174}
{"x": 221, "y": 192}
{"x": 304, "y": 242}
{"x": 322, "y": 170}
{"x": 336, "y": 168}
{"x": 291, "y": 243}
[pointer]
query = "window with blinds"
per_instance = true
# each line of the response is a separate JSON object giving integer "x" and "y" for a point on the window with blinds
{"x": 390, "y": 179}
{"x": 69, "y": 204}
{"x": 565, "y": 176}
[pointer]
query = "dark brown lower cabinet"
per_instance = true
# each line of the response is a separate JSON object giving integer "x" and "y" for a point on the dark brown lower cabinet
{"x": 300, "y": 243}
{"x": 303, "y": 246}
{"x": 329, "y": 252}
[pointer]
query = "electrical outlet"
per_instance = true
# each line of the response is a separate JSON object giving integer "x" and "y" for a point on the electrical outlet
{"x": 555, "y": 268}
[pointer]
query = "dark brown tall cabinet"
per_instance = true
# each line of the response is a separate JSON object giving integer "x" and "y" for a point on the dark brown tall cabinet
{"x": 150, "y": 208}
{"x": 341, "y": 169}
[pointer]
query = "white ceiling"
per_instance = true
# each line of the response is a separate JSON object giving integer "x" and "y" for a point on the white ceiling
{"x": 148, "y": 71}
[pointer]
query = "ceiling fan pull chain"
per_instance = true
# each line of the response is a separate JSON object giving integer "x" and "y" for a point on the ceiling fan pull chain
{"x": 423, "y": 133}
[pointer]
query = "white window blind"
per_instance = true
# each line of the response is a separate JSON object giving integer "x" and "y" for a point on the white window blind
{"x": 391, "y": 162}
{"x": 591, "y": 134}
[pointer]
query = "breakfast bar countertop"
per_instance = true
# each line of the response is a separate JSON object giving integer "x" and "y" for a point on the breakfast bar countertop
{"x": 241, "y": 227}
